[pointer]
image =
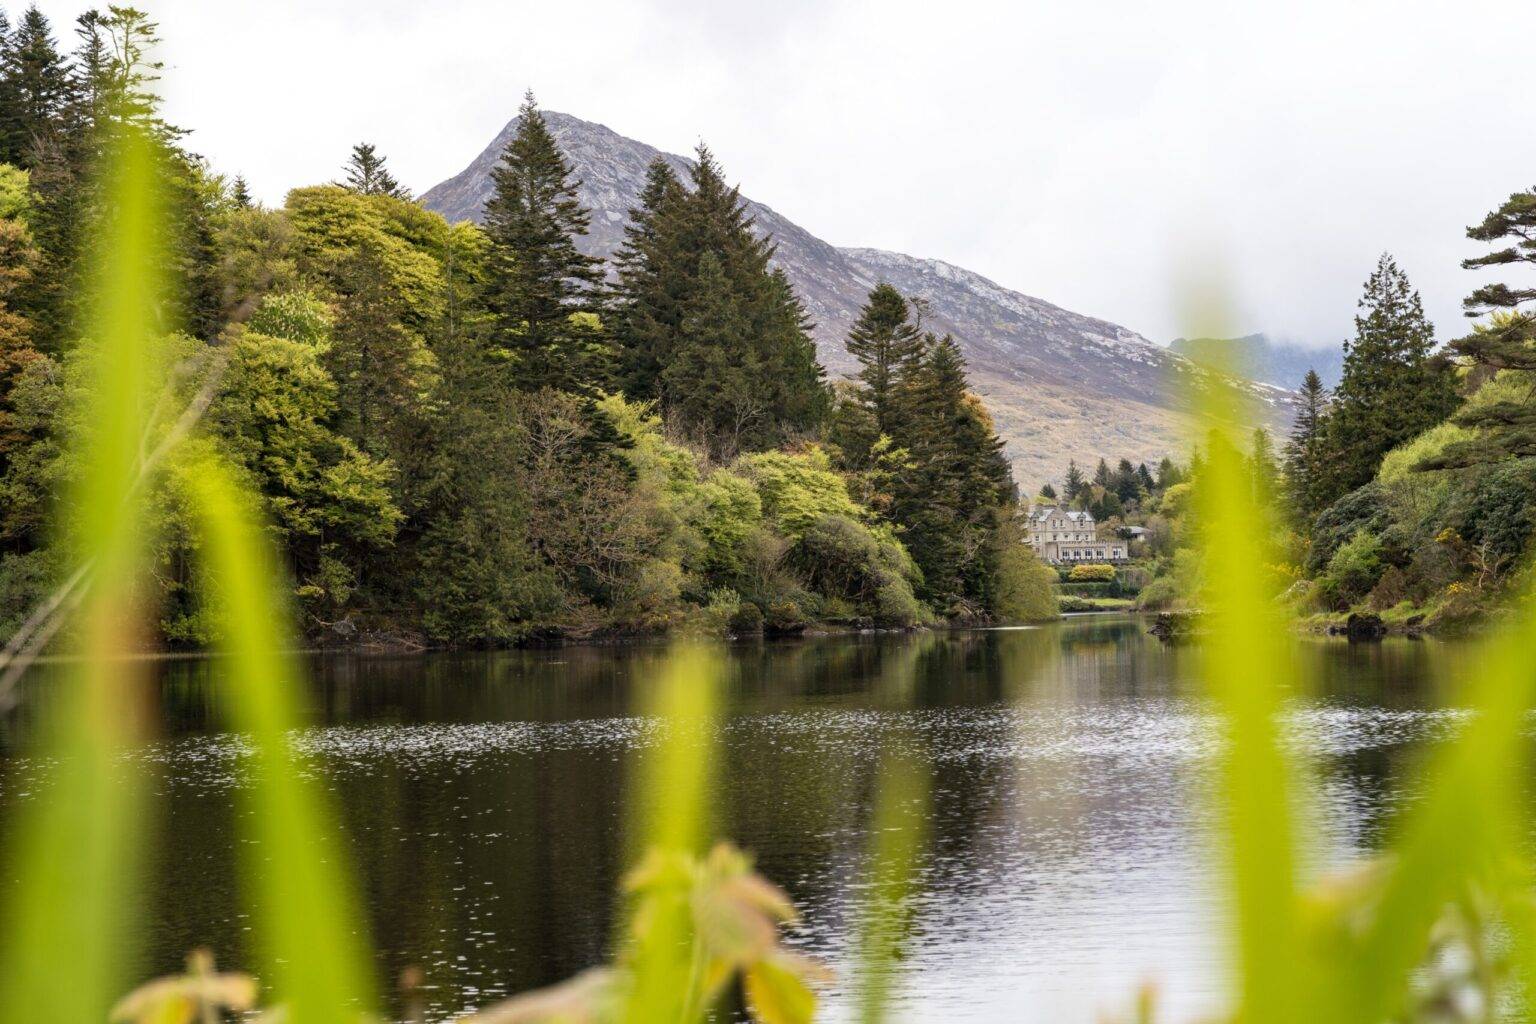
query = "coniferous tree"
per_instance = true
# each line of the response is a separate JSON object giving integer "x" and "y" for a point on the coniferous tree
{"x": 1305, "y": 473}
{"x": 1077, "y": 484}
{"x": 888, "y": 344}
{"x": 662, "y": 297}
{"x": 540, "y": 282}
{"x": 240, "y": 193}
{"x": 1392, "y": 389}
{"x": 1168, "y": 474}
{"x": 37, "y": 89}
{"x": 1263, "y": 467}
{"x": 371, "y": 356}
{"x": 1101, "y": 475}
{"x": 1047, "y": 491}
{"x": 366, "y": 174}
{"x": 653, "y": 283}
{"x": 1506, "y": 341}
{"x": 714, "y": 379}
{"x": 1144, "y": 478}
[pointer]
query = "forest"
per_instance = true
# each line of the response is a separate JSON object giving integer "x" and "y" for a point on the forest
{"x": 466, "y": 435}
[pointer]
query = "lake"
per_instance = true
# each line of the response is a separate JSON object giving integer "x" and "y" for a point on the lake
{"x": 1068, "y": 857}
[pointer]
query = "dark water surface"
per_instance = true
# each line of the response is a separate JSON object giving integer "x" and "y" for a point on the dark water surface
{"x": 1068, "y": 857}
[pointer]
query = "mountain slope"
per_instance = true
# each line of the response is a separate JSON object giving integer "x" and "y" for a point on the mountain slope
{"x": 1061, "y": 385}
{"x": 1261, "y": 358}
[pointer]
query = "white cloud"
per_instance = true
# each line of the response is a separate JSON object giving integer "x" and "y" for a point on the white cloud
{"x": 1078, "y": 152}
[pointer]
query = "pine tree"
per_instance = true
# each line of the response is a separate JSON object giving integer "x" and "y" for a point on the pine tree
{"x": 240, "y": 194}
{"x": 1168, "y": 474}
{"x": 1144, "y": 477}
{"x": 1305, "y": 474}
{"x": 1101, "y": 476}
{"x": 1077, "y": 484}
{"x": 371, "y": 357}
{"x": 889, "y": 347}
{"x": 1047, "y": 492}
{"x": 366, "y": 174}
{"x": 652, "y": 284}
{"x": 37, "y": 89}
{"x": 1391, "y": 390}
{"x": 662, "y": 296}
{"x": 947, "y": 503}
{"x": 1263, "y": 468}
{"x": 539, "y": 280}
{"x": 713, "y": 382}
{"x": 1506, "y": 341}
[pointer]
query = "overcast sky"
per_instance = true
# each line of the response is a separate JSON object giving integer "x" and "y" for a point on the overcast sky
{"x": 1092, "y": 154}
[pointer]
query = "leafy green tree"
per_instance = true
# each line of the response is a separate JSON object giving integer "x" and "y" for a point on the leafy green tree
{"x": 18, "y": 257}
{"x": 1391, "y": 389}
{"x": 332, "y": 502}
{"x": 367, "y": 174}
{"x": 539, "y": 278}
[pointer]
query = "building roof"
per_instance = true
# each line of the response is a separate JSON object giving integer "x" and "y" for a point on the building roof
{"x": 1043, "y": 512}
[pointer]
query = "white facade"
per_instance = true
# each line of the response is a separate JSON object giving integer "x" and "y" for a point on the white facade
{"x": 1058, "y": 535}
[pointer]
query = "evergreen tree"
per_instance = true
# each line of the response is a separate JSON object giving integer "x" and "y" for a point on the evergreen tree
{"x": 1305, "y": 473}
{"x": 1263, "y": 467}
{"x": 1144, "y": 478}
{"x": 1168, "y": 474}
{"x": 947, "y": 502}
{"x": 1101, "y": 476}
{"x": 1126, "y": 484}
{"x": 1391, "y": 390}
{"x": 367, "y": 174}
{"x": 1506, "y": 341}
{"x": 1076, "y": 485}
{"x": 539, "y": 281}
{"x": 1047, "y": 492}
{"x": 37, "y": 89}
{"x": 889, "y": 347}
{"x": 372, "y": 358}
{"x": 714, "y": 380}
{"x": 240, "y": 194}
{"x": 653, "y": 282}
{"x": 662, "y": 298}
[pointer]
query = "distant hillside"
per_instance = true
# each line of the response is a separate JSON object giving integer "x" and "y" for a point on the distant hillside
{"x": 1061, "y": 385}
{"x": 1259, "y": 358}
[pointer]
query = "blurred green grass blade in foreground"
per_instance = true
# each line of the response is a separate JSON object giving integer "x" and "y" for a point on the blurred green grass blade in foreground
{"x": 315, "y": 954}
{"x": 74, "y": 856}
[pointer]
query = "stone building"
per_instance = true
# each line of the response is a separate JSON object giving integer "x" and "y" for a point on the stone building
{"x": 1059, "y": 535}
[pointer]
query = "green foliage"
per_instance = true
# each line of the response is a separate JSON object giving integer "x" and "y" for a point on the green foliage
{"x": 537, "y": 276}
{"x": 1092, "y": 573}
{"x": 1025, "y": 588}
{"x": 1391, "y": 391}
{"x": 1353, "y": 570}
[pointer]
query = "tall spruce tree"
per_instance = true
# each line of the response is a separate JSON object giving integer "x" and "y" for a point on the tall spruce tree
{"x": 368, "y": 175}
{"x": 1076, "y": 484}
{"x": 664, "y": 295}
{"x": 888, "y": 343}
{"x": 540, "y": 282}
{"x": 1306, "y": 474}
{"x": 37, "y": 86}
{"x": 653, "y": 282}
{"x": 1392, "y": 389}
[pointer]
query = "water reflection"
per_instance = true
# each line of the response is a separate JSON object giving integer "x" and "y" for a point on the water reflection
{"x": 1067, "y": 861}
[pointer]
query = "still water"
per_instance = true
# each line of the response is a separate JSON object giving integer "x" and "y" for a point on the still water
{"x": 1068, "y": 857}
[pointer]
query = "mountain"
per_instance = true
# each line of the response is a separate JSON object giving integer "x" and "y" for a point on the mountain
{"x": 1261, "y": 358}
{"x": 1060, "y": 384}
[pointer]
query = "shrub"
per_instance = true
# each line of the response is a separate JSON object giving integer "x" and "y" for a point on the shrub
{"x": 1498, "y": 520}
{"x": 1158, "y": 595}
{"x": 1390, "y": 591}
{"x": 843, "y": 558}
{"x": 1354, "y": 569}
{"x": 1092, "y": 573}
{"x": 748, "y": 620}
{"x": 1026, "y": 587}
{"x": 1360, "y": 510}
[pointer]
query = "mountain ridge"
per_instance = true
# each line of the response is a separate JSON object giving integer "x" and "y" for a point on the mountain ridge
{"x": 1060, "y": 384}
